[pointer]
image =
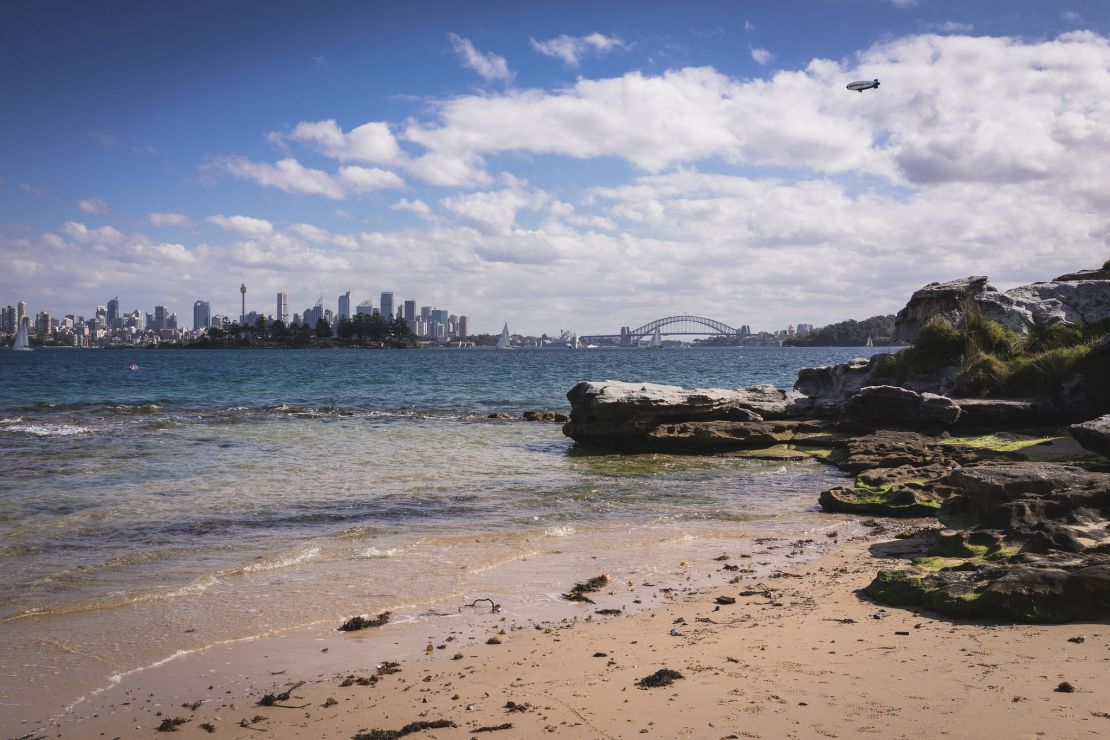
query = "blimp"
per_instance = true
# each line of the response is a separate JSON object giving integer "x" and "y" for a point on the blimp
{"x": 862, "y": 85}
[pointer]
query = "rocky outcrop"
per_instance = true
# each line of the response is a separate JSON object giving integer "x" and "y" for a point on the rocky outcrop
{"x": 946, "y": 301}
{"x": 1033, "y": 544}
{"x": 894, "y": 405}
{"x": 1094, "y": 435}
{"x": 1074, "y": 299}
{"x": 822, "y": 391}
{"x": 623, "y": 415}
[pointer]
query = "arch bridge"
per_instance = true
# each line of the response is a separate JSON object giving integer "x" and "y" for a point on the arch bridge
{"x": 685, "y": 324}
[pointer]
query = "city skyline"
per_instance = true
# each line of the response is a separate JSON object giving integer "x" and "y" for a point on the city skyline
{"x": 578, "y": 167}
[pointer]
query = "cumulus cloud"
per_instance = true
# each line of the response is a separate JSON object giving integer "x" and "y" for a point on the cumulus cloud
{"x": 762, "y": 57}
{"x": 417, "y": 206}
{"x": 169, "y": 219}
{"x": 245, "y": 225}
{"x": 571, "y": 49}
{"x": 370, "y": 142}
{"x": 293, "y": 177}
{"x": 92, "y": 205}
{"x": 489, "y": 65}
{"x": 494, "y": 211}
{"x": 81, "y": 233}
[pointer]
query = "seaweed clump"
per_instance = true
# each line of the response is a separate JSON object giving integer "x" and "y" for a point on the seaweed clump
{"x": 662, "y": 677}
{"x": 360, "y": 623}
{"x": 406, "y": 730}
{"x": 592, "y": 585}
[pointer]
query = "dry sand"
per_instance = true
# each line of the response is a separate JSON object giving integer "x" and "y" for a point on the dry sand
{"x": 799, "y": 655}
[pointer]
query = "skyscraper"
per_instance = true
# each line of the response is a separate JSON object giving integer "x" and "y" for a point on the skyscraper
{"x": 113, "y": 311}
{"x": 243, "y": 313}
{"x": 387, "y": 305}
{"x": 410, "y": 311}
{"x": 161, "y": 317}
{"x": 464, "y": 327}
{"x": 345, "y": 306}
{"x": 282, "y": 313}
{"x": 20, "y": 313}
{"x": 202, "y": 315}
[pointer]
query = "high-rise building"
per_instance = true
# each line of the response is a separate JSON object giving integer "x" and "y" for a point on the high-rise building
{"x": 243, "y": 295}
{"x": 366, "y": 308}
{"x": 161, "y": 316}
{"x": 42, "y": 324}
{"x": 387, "y": 305}
{"x": 410, "y": 310}
{"x": 7, "y": 320}
{"x": 438, "y": 326}
{"x": 345, "y": 306}
{"x": 282, "y": 313}
{"x": 464, "y": 327}
{"x": 202, "y": 315}
{"x": 113, "y": 311}
{"x": 20, "y": 313}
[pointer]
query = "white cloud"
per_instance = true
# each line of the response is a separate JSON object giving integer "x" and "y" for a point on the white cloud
{"x": 81, "y": 233}
{"x": 762, "y": 57}
{"x": 490, "y": 66}
{"x": 293, "y": 177}
{"x": 92, "y": 205}
{"x": 170, "y": 219}
{"x": 950, "y": 27}
{"x": 316, "y": 235}
{"x": 903, "y": 3}
{"x": 245, "y": 225}
{"x": 571, "y": 49}
{"x": 370, "y": 142}
{"x": 494, "y": 212}
{"x": 367, "y": 179}
{"x": 417, "y": 206}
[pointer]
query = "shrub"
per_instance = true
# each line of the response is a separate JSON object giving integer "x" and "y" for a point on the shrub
{"x": 984, "y": 335}
{"x": 1055, "y": 337}
{"x": 982, "y": 375}
{"x": 1042, "y": 372}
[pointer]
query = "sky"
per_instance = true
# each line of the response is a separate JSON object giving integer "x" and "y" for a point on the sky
{"x": 553, "y": 165}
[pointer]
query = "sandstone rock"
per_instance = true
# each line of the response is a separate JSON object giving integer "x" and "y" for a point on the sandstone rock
{"x": 946, "y": 301}
{"x": 538, "y": 416}
{"x": 1076, "y": 298}
{"x": 897, "y": 501}
{"x": 822, "y": 391}
{"x": 734, "y": 435}
{"x": 619, "y": 414}
{"x": 1094, "y": 435}
{"x": 1103, "y": 274}
{"x": 894, "y": 405}
{"x": 1035, "y": 546}
{"x": 999, "y": 413}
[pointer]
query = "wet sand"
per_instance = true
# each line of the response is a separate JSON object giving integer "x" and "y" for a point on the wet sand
{"x": 798, "y": 655}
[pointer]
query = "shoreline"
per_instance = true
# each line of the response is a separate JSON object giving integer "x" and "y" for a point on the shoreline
{"x": 797, "y": 655}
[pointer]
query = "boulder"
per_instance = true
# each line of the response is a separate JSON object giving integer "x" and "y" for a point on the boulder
{"x": 899, "y": 406}
{"x": 897, "y": 501}
{"x": 822, "y": 391}
{"x": 618, "y": 414}
{"x": 1094, "y": 435}
{"x": 999, "y": 413}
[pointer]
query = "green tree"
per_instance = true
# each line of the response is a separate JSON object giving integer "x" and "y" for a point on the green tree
{"x": 323, "y": 328}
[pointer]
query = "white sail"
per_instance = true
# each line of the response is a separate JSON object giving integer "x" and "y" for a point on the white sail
{"x": 503, "y": 340}
{"x": 21, "y": 342}
{"x": 656, "y": 340}
{"x": 870, "y": 343}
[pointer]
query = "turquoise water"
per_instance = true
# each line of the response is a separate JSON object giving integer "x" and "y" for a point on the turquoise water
{"x": 212, "y": 495}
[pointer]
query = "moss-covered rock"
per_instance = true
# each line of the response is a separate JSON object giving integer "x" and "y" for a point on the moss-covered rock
{"x": 894, "y": 501}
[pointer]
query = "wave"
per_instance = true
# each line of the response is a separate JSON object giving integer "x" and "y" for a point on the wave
{"x": 282, "y": 561}
{"x": 48, "y": 429}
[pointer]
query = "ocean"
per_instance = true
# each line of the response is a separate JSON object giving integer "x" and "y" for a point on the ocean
{"x": 213, "y": 496}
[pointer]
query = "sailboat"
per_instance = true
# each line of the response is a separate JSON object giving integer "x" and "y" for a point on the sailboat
{"x": 21, "y": 343}
{"x": 656, "y": 340}
{"x": 503, "y": 340}
{"x": 573, "y": 342}
{"x": 869, "y": 342}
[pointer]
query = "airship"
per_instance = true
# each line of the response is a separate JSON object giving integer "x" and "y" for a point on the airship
{"x": 862, "y": 85}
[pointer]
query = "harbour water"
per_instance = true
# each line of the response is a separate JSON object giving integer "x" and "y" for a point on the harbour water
{"x": 211, "y": 496}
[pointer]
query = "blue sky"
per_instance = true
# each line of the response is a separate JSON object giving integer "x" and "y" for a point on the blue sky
{"x": 554, "y": 165}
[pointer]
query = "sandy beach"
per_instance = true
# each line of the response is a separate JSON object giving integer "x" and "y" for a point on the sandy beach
{"x": 798, "y": 655}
